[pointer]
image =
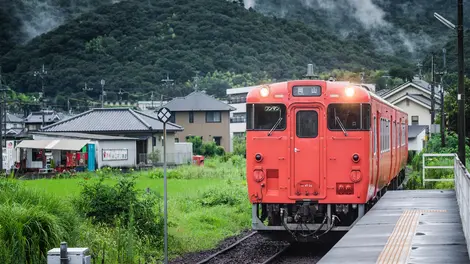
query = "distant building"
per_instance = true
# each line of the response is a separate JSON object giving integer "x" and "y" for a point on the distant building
{"x": 237, "y": 99}
{"x": 150, "y": 105}
{"x": 123, "y": 122}
{"x": 414, "y": 98}
{"x": 33, "y": 121}
{"x": 203, "y": 116}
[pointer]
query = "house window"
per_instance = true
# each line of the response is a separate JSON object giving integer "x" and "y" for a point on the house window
{"x": 177, "y": 140}
{"x": 191, "y": 117}
{"x": 217, "y": 140}
{"x": 213, "y": 117}
{"x": 173, "y": 117}
{"x": 415, "y": 120}
{"x": 154, "y": 141}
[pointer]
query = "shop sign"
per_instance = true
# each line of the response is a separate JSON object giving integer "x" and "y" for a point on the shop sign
{"x": 114, "y": 154}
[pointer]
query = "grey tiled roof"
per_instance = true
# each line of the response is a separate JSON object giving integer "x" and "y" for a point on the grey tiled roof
{"x": 110, "y": 119}
{"x": 414, "y": 130}
{"x": 197, "y": 101}
{"x": 36, "y": 117}
{"x": 424, "y": 99}
{"x": 82, "y": 136}
{"x": 382, "y": 92}
{"x": 13, "y": 118}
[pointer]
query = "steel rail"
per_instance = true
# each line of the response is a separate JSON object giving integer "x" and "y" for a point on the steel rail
{"x": 227, "y": 248}
{"x": 275, "y": 256}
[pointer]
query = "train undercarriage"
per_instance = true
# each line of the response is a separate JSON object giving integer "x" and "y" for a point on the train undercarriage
{"x": 307, "y": 221}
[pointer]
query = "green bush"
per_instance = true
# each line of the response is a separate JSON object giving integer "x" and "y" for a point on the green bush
{"x": 109, "y": 204}
{"x": 232, "y": 194}
{"x": 33, "y": 222}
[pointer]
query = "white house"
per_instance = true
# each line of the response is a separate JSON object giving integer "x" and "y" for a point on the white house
{"x": 414, "y": 98}
{"x": 237, "y": 99}
{"x": 416, "y": 136}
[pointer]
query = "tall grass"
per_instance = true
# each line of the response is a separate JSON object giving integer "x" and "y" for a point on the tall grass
{"x": 31, "y": 223}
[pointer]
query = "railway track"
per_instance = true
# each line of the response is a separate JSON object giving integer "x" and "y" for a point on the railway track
{"x": 255, "y": 249}
{"x": 252, "y": 248}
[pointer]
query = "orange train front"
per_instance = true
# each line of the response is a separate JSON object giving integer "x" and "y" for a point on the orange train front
{"x": 319, "y": 155}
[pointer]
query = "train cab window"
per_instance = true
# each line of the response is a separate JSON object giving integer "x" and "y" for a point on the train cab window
{"x": 266, "y": 116}
{"x": 307, "y": 124}
{"x": 349, "y": 116}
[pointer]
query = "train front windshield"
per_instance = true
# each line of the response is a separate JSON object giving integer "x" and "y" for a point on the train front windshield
{"x": 349, "y": 117}
{"x": 266, "y": 117}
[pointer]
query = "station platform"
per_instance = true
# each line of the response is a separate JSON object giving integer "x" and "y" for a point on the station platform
{"x": 419, "y": 226}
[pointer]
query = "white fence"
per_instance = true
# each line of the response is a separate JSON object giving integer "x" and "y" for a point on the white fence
{"x": 435, "y": 167}
{"x": 462, "y": 189}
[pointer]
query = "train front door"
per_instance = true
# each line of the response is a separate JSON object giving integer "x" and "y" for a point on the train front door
{"x": 305, "y": 152}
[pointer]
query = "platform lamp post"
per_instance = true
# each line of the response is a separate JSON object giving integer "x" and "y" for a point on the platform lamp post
{"x": 164, "y": 115}
{"x": 461, "y": 89}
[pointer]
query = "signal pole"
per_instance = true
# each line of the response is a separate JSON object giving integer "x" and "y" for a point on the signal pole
{"x": 461, "y": 91}
{"x": 41, "y": 75}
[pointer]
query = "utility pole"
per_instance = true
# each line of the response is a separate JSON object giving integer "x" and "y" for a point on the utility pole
{"x": 196, "y": 81}
{"x": 68, "y": 105}
{"x": 102, "y": 92}
{"x": 420, "y": 65}
{"x": 443, "y": 118}
{"x": 1, "y": 125}
{"x": 151, "y": 98}
{"x": 41, "y": 75}
{"x": 167, "y": 82}
{"x": 432, "y": 91}
{"x": 461, "y": 93}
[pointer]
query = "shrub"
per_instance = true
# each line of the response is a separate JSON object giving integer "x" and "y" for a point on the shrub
{"x": 232, "y": 194}
{"x": 110, "y": 204}
{"x": 31, "y": 223}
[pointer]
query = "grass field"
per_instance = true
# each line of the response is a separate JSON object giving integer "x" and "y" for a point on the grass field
{"x": 205, "y": 205}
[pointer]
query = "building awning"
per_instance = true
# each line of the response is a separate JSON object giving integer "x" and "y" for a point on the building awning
{"x": 59, "y": 144}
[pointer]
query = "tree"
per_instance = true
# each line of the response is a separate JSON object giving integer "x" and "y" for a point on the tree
{"x": 451, "y": 107}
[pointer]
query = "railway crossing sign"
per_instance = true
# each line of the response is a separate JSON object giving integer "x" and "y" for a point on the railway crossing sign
{"x": 164, "y": 115}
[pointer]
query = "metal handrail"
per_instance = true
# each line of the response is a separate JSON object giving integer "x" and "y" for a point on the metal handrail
{"x": 435, "y": 167}
{"x": 462, "y": 188}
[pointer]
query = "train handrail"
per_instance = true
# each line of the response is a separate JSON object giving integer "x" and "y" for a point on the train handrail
{"x": 462, "y": 188}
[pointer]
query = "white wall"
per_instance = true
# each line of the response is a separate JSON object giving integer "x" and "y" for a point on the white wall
{"x": 118, "y": 144}
{"x": 183, "y": 153}
{"x": 414, "y": 109}
{"x": 417, "y": 143}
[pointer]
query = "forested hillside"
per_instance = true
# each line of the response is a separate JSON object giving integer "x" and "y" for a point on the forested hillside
{"x": 136, "y": 43}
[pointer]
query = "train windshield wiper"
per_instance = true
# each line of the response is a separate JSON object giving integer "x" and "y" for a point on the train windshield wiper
{"x": 275, "y": 125}
{"x": 340, "y": 124}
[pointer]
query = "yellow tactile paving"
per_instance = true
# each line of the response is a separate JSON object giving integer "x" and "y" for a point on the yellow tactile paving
{"x": 398, "y": 245}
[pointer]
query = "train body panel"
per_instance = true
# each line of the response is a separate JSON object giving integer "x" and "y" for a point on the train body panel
{"x": 318, "y": 150}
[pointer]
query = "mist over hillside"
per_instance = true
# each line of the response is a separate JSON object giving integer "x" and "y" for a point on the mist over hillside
{"x": 406, "y": 28}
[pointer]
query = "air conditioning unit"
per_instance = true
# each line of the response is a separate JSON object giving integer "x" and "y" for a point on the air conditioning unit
{"x": 74, "y": 255}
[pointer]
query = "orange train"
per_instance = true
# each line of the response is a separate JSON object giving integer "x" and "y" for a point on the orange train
{"x": 319, "y": 155}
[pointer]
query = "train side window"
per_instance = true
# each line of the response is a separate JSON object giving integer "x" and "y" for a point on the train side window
{"x": 375, "y": 135}
{"x": 306, "y": 124}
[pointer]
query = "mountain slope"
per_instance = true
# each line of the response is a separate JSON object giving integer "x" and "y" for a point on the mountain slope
{"x": 134, "y": 44}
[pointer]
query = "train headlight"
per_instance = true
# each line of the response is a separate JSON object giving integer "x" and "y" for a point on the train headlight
{"x": 264, "y": 92}
{"x": 258, "y": 157}
{"x": 349, "y": 91}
